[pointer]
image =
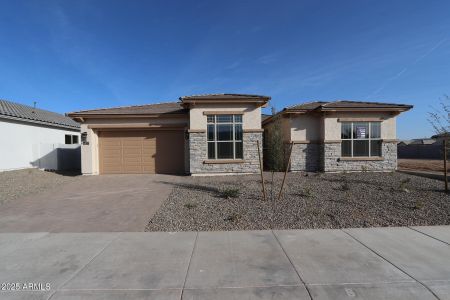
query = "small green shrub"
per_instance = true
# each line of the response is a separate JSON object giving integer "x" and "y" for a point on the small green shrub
{"x": 190, "y": 205}
{"x": 403, "y": 184}
{"x": 307, "y": 192}
{"x": 364, "y": 168}
{"x": 228, "y": 193}
{"x": 232, "y": 217}
{"x": 345, "y": 186}
{"x": 419, "y": 204}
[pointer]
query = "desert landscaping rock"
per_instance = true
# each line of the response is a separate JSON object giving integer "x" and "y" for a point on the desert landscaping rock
{"x": 19, "y": 183}
{"x": 310, "y": 200}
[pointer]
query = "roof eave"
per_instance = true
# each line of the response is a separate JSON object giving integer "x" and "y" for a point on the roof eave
{"x": 126, "y": 115}
{"x": 55, "y": 125}
{"x": 226, "y": 100}
{"x": 225, "y": 97}
{"x": 393, "y": 109}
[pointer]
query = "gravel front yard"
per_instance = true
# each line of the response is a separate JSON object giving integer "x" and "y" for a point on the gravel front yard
{"x": 17, "y": 184}
{"x": 309, "y": 201}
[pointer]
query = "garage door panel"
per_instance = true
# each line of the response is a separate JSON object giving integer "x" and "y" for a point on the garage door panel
{"x": 141, "y": 152}
{"x": 111, "y": 163}
{"x": 132, "y": 162}
{"x": 149, "y": 153}
{"x": 112, "y": 153}
{"x": 148, "y": 159}
{"x": 132, "y": 143}
{"x": 132, "y": 151}
{"x": 132, "y": 169}
{"x": 111, "y": 143}
{"x": 112, "y": 170}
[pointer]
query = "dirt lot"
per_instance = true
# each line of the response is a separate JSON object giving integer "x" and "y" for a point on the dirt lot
{"x": 309, "y": 201}
{"x": 421, "y": 164}
{"x": 17, "y": 184}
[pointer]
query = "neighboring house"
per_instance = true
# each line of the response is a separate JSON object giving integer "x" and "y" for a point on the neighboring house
{"x": 203, "y": 134}
{"x": 337, "y": 136}
{"x": 441, "y": 137}
{"x": 424, "y": 141}
{"x": 424, "y": 148}
{"x": 32, "y": 137}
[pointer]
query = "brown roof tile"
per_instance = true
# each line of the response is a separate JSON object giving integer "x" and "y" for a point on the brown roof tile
{"x": 341, "y": 104}
{"x": 147, "y": 109}
{"x": 306, "y": 106}
{"x": 363, "y": 104}
{"x": 324, "y": 105}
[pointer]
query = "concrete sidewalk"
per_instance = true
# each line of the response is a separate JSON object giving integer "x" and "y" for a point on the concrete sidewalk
{"x": 377, "y": 263}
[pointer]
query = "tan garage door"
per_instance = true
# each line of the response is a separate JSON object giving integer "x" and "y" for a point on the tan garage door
{"x": 124, "y": 152}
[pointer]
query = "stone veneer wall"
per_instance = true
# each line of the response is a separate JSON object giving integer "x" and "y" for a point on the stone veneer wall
{"x": 305, "y": 157}
{"x": 332, "y": 162}
{"x": 198, "y": 153}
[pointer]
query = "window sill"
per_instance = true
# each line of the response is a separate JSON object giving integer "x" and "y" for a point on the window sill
{"x": 224, "y": 161}
{"x": 362, "y": 158}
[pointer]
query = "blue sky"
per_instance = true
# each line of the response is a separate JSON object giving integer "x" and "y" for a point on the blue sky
{"x": 73, "y": 55}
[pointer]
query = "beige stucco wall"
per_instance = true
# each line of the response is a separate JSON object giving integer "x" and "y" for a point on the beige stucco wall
{"x": 138, "y": 120}
{"x": 251, "y": 118}
{"x": 306, "y": 127}
{"x": 332, "y": 128}
{"x": 284, "y": 126}
{"x": 89, "y": 153}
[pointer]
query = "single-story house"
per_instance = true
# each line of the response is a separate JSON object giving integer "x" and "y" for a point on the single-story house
{"x": 199, "y": 135}
{"x": 32, "y": 137}
{"x": 335, "y": 136}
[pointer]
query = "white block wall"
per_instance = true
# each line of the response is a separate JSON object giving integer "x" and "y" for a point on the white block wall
{"x": 28, "y": 145}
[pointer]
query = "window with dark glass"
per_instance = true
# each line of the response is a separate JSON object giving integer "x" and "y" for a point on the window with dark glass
{"x": 361, "y": 139}
{"x": 68, "y": 139}
{"x": 224, "y": 134}
{"x": 71, "y": 139}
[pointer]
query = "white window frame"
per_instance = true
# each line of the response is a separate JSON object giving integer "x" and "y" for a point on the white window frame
{"x": 352, "y": 139}
{"x": 233, "y": 140}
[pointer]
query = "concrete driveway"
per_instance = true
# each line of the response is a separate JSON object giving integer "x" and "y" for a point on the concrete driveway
{"x": 371, "y": 263}
{"x": 89, "y": 204}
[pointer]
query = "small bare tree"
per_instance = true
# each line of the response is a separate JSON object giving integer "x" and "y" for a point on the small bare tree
{"x": 439, "y": 117}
